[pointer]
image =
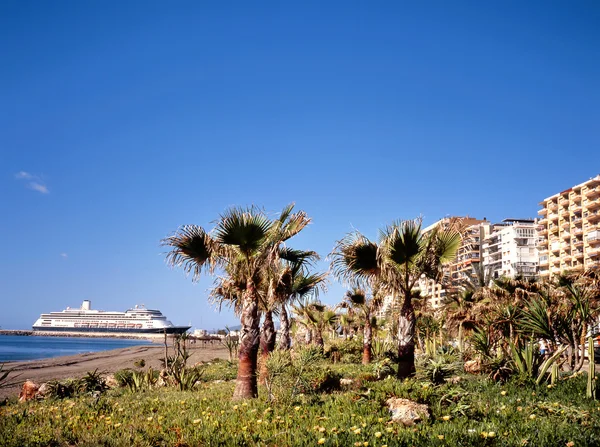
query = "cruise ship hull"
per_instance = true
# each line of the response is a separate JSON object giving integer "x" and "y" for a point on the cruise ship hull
{"x": 87, "y": 330}
{"x": 138, "y": 320}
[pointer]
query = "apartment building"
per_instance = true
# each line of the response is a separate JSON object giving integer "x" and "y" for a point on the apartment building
{"x": 511, "y": 249}
{"x": 469, "y": 253}
{"x": 569, "y": 229}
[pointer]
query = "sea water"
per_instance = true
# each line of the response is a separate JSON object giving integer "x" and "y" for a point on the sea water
{"x": 18, "y": 347}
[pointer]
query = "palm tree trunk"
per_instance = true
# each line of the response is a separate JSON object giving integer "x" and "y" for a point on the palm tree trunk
{"x": 319, "y": 338}
{"x": 406, "y": 339}
{"x": 267, "y": 343}
{"x": 246, "y": 386}
{"x": 308, "y": 336}
{"x": 285, "y": 341}
{"x": 367, "y": 341}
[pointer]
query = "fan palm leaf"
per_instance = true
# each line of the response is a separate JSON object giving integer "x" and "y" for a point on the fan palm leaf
{"x": 192, "y": 249}
{"x": 354, "y": 259}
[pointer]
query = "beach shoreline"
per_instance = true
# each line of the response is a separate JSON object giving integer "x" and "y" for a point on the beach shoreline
{"x": 72, "y": 366}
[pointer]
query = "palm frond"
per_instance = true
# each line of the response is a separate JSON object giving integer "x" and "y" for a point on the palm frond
{"x": 245, "y": 228}
{"x": 192, "y": 249}
{"x": 354, "y": 259}
{"x": 401, "y": 242}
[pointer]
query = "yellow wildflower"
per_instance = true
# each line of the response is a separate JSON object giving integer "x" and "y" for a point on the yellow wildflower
{"x": 446, "y": 418}
{"x": 440, "y": 436}
{"x": 503, "y": 392}
{"x": 357, "y": 431}
{"x": 235, "y": 407}
{"x": 321, "y": 441}
{"x": 196, "y": 421}
{"x": 149, "y": 418}
{"x": 532, "y": 416}
{"x": 297, "y": 408}
{"x": 321, "y": 429}
{"x": 378, "y": 434}
{"x": 570, "y": 444}
{"x": 117, "y": 425}
{"x": 491, "y": 434}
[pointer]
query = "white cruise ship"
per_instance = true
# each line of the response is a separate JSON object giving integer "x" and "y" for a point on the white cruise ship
{"x": 85, "y": 319}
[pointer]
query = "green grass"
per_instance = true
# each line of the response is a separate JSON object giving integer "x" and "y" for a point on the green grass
{"x": 474, "y": 412}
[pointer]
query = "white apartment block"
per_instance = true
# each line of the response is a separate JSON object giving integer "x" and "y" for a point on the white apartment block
{"x": 510, "y": 250}
{"x": 569, "y": 229}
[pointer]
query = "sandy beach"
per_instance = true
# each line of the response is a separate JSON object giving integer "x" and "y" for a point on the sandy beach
{"x": 41, "y": 371}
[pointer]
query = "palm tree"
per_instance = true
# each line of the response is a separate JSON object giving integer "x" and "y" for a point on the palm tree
{"x": 403, "y": 255}
{"x": 292, "y": 281}
{"x": 316, "y": 318}
{"x": 243, "y": 245}
{"x": 364, "y": 308}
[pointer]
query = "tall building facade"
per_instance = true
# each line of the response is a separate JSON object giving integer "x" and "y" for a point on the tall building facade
{"x": 569, "y": 229}
{"x": 510, "y": 250}
{"x": 469, "y": 253}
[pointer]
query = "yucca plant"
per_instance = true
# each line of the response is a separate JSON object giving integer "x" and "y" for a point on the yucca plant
{"x": 591, "y": 379}
{"x": 93, "y": 382}
{"x": 529, "y": 363}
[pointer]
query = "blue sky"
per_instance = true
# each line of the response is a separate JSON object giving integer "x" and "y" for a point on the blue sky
{"x": 120, "y": 121}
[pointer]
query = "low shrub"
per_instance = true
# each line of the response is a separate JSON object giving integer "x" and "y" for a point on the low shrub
{"x": 346, "y": 351}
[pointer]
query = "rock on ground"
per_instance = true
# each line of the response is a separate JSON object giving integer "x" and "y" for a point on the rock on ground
{"x": 473, "y": 367}
{"x": 28, "y": 391}
{"x": 406, "y": 411}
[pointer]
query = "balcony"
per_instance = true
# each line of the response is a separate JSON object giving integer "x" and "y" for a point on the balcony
{"x": 593, "y": 204}
{"x": 563, "y": 201}
{"x": 555, "y": 248}
{"x": 578, "y": 254}
{"x": 544, "y": 261}
{"x": 593, "y": 192}
{"x": 565, "y": 224}
{"x": 593, "y": 237}
{"x": 543, "y": 211}
{"x": 553, "y": 217}
{"x": 576, "y": 207}
{"x": 577, "y": 241}
{"x": 594, "y": 252}
{"x": 594, "y": 182}
{"x": 565, "y": 235}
